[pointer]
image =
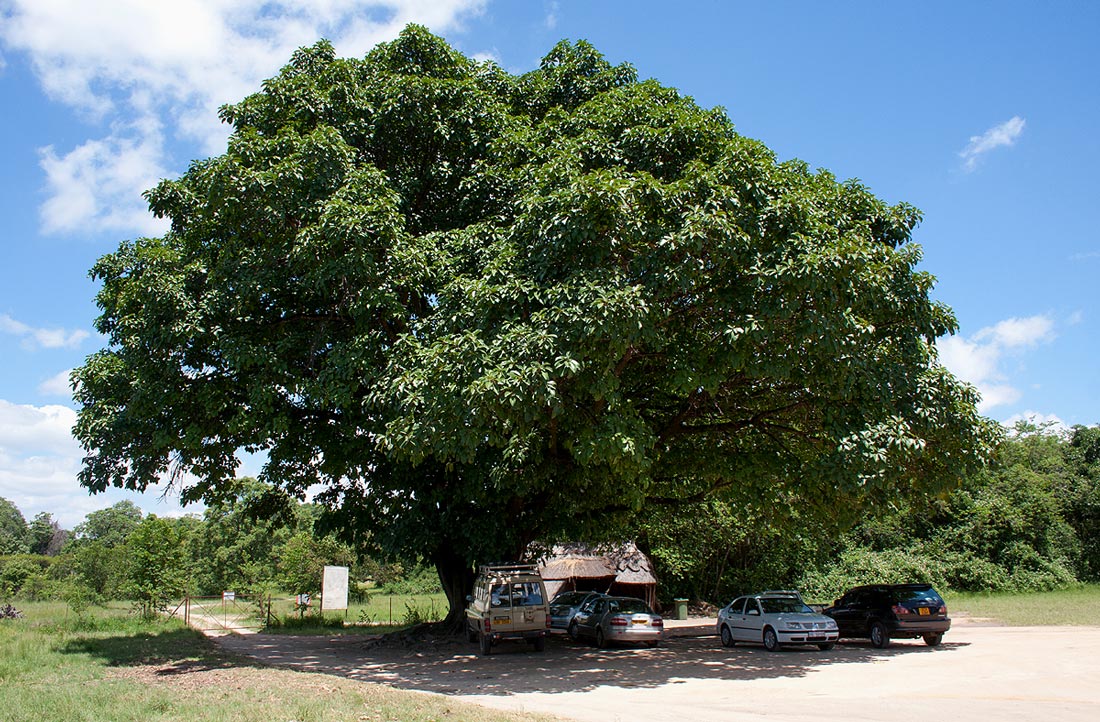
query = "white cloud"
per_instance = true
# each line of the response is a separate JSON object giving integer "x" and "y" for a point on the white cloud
{"x": 57, "y": 385}
{"x": 980, "y": 360}
{"x": 154, "y": 73}
{"x": 1018, "y": 332}
{"x": 98, "y": 186}
{"x": 551, "y": 19}
{"x": 39, "y": 463}
{"x": 1050, "y": 423}
{"x": 34, "y": 338}
{"x": 492, "y": 55}
{"x": 1004, "y": 134}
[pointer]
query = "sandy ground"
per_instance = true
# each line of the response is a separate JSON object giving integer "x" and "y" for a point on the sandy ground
{"x": 979, "y": 673}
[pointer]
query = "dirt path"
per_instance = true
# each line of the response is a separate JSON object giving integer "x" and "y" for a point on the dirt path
{"x": 979, "y": 673}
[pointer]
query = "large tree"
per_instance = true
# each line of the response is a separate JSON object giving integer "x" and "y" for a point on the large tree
{"x": 481, "y": 309}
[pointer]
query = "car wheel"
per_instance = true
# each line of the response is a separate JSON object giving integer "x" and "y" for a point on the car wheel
{"x": 771, "y": 640}
{"x": 880, "y": 636}
{"x": 727, "y": 637}
{"x": 933, "y": 640}
{"x": 539, "y": 643}
{"x": 601, "y": 641}
{"x": 572, "y": 631}
{"x": 486, "y": 644}
{"x": 826, "y": 647}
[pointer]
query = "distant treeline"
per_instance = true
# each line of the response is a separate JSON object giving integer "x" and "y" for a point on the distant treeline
{"x": 1029, "y": 522}
{"x": 119, "y": 553}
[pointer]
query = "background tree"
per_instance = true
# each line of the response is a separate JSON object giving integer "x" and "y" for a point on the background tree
{"x": 109, "y": 527}
{"x": 13, "y": 529}
{"x": 241, "y": 533}
{"x": 46, "y": 535}
{"x": 157, "y": 564}
{"x": 481, "y": 309}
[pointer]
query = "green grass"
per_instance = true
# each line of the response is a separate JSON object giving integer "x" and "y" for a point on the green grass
{"x": 110, "y": 666}
{"x": 1076, "y": 606}
{"x": 379, "y": 614}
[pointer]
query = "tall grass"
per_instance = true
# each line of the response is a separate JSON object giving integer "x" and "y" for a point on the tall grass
{"x": 111, "y": 666}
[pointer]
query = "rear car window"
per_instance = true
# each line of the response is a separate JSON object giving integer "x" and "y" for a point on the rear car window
{"x": 927, "y": 594}
{"x": 629, "y": 606}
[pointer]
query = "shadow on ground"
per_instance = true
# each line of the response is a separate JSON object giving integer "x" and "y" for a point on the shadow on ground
{"x": 172, "y": 652}
{"x": 454, "y": 667}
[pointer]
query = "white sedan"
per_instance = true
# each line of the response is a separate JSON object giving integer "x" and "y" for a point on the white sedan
{"x": 774, "y": 619}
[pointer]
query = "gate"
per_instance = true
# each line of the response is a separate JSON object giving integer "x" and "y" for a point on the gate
{"x": 228, "y": 613}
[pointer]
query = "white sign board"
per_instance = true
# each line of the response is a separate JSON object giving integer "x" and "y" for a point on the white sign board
{"x": 334, "y": 588}
{"x": 229, "y": 596}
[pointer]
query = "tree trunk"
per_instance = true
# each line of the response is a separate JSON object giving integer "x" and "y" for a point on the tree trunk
{"x": 457, "y": 580}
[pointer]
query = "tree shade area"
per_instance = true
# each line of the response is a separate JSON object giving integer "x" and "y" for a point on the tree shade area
{"x": 471, "y": 310}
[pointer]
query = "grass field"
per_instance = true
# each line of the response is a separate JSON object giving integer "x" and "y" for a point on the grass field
{"x": 109, "y": 666}
{"x": 1076, "y": 606}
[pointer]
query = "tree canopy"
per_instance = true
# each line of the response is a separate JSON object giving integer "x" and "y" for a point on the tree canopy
{"x": 13, "y": 529}
{"x": 481, "y": 309}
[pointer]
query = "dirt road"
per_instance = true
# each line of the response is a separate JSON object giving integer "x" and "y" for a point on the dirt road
{"x": 979, "y": 673}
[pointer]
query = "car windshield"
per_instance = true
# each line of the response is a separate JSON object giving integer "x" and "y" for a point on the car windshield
{"x": 629, "y": 606}
{"x": 923, "y": 594}
{"x": 784, "y": 605}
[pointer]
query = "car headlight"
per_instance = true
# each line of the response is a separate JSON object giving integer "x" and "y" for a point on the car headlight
{"x": 831, "y": 624}
{"x": 794, "y": 625}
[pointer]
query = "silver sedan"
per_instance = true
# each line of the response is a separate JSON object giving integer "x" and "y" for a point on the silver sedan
{"x": 617, "y": 619}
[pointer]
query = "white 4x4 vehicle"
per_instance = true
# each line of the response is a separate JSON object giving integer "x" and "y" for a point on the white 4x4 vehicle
{"x": 508, "y": 602}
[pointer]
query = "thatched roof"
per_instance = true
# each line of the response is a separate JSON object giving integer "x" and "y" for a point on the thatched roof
{"x": 624, "y": 562}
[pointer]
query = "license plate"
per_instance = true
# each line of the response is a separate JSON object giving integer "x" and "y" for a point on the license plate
{"x": 923, "y": 611}
{"x": 502, "y": 620}
{"x": 639, "y": 621}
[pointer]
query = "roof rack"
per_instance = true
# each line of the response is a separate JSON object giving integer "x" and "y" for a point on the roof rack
{"x": 508, "y": 569}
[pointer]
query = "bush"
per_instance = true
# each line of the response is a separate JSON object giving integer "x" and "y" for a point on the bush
{"x": 861, "y": 565}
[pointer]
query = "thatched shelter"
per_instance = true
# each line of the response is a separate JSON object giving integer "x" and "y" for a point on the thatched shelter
{"x": 615, "y": 569}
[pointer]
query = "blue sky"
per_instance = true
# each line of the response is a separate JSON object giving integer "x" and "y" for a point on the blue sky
{"x": 984, "y": 115}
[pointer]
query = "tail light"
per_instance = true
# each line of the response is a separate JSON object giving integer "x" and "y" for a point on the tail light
{"x": 657, "y": 622}
{"x": 487, "y": 626}
{"x": 899, "y": 609}
{"x": 942, "y": 610}
{"x": 548, "y": 621}
{"x": 618, "y": 622}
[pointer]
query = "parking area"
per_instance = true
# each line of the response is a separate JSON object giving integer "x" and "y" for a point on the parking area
{"x": 979, "y": 673}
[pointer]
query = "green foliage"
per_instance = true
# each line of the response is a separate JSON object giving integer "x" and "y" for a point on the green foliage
{"x": 103, "y": 569}
{"x": 46, "y": 535}
{"x": 14, "y": 535}
{"x": 463, "y": 302}
{"x": 416, "y": 579}
{"x": 303, "y": 558}
{"x": 18, "y": 569}
{"x": 108, "y": 527}
{"x": 156, "y": 560}
{"x": 1015, "y": 527}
